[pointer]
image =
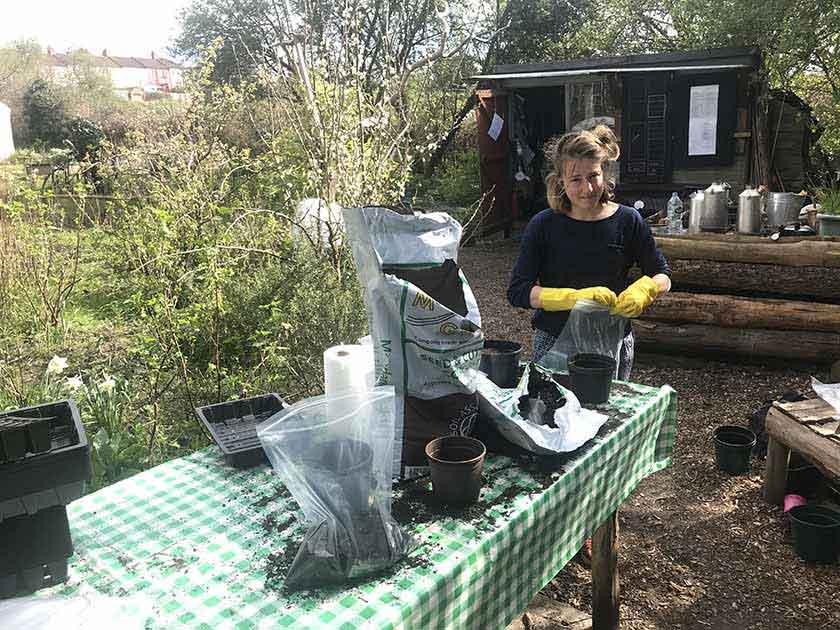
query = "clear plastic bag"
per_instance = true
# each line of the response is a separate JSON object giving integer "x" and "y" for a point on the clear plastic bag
{"x": 591, "y": 329}
{"x": 334, "y": 453}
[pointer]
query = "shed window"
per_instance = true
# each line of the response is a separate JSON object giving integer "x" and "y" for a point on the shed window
{"x": 588, "y": 102}
{"x": 704, "y": 120}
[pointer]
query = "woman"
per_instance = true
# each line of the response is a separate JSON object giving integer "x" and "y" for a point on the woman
{"x": 584, "y": 244}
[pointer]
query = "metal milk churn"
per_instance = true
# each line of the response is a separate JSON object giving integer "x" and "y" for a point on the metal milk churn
{"x": 695, "y": 212}
{"x": 749, "y": 212}
{"x": 715, "y": 217}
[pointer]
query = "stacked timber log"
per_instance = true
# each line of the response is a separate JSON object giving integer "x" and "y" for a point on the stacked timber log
{"x": 749, "y": 297}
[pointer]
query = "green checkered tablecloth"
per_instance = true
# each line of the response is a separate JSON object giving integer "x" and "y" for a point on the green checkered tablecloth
{"x": 188, "y": 543}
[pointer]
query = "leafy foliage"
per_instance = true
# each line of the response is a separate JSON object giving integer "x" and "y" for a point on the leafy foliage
{"x": 45, "y": 111}
{"x": 540, "y": 30}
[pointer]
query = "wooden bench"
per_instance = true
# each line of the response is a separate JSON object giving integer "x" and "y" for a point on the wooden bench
{"x": 806, "y": 427}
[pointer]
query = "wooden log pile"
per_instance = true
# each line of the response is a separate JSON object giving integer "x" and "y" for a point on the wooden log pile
{"x": 748, "y": 297}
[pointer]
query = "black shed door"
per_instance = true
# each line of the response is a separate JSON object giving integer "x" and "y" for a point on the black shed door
{"x": 646, "y": 154}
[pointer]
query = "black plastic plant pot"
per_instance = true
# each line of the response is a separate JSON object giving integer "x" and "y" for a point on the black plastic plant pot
{"x": 342, "y": 472}
{"x": 34, "y": 551}
{"x": 456, "y": 463}
{"x": 590, "y": 377}
{"x": 500, "y": 361}
{"x": 233, "y": 426}
{"x": 733, "y": 446}
{"x": 816, "y": 533}
{"x": 55, "y": 463}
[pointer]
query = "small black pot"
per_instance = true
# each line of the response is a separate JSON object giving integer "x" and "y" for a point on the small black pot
{"x": 733, "y": 446}
{"x": 816, "y": 533}
{"x": 456, "y": 463}
{"x": 590, "y": 377}
{"x": 500, "y": 361}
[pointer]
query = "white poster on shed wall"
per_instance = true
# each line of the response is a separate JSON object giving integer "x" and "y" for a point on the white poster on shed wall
{"x": 702, "y": 120}
{"x": 7, "y": 144}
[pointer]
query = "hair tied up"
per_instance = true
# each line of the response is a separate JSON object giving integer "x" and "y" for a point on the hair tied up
{"x": 598, "y": 144}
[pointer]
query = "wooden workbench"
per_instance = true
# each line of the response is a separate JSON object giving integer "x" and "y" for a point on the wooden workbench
{"x": 806, "y": 427}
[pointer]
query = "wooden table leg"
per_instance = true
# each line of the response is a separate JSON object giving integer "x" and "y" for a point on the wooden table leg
{"x": 605, "y": 590}
{"x": 775, "y": 474}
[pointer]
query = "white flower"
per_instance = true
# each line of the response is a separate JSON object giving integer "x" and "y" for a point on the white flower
{"x": 56, "y": 365}
{"x": 73, "y": 383}
{"x": 108, "y": 384}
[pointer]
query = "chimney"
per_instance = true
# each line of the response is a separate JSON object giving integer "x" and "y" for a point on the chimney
{"x": 104, "y": 52}
{"x": 153, "y": 54}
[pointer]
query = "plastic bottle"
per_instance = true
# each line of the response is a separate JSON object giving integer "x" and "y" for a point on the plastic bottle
{"x": 675, "y": 212}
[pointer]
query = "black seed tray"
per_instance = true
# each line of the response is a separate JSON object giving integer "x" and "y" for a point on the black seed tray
{"x": 49, "y": 476}
{"x": 233, "y": 426}
{"x": 19, "y": 436}
{"x": 31, "y": 503}
{"x": 34, "y": 551}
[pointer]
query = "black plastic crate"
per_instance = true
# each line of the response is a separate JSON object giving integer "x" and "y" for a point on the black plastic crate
{"x": 233, "y": 426}
{"x": 43, "y": 477}
{"x": 34, "y": 551}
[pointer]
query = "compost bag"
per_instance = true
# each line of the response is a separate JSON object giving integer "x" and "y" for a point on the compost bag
{"x": 539, "y": 414}
{"x": 334, "y": 454}
{"x": 590, "y": 329}
{"x": 422, "y": 315}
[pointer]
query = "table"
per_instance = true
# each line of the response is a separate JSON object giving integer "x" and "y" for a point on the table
{"x": 193, "y": 538}
{"x": 805, "y": 426}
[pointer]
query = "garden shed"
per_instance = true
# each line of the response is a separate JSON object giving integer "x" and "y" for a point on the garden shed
{"x": 684, "y": 120}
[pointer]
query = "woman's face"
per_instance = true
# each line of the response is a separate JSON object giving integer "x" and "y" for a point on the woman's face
{"x": 583, "y": 180}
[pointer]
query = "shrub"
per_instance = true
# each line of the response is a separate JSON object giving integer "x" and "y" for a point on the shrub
{"x": 45, "y": 110}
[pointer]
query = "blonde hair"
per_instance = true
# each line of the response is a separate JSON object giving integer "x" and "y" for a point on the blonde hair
{"x": 598, "y": 144}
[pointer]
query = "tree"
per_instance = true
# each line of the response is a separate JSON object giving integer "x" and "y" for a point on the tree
{"x": 20, "y": 64}
{"x": 44, "y": 109}
{"x": 242, "y": 32}
{"x": 347, "y": 78}
{"x": 540, "y": 30}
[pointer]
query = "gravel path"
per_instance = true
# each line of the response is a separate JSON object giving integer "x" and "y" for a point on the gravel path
{"x": 699, "y": 549}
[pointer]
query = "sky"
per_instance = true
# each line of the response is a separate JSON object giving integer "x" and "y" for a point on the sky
{"x": 127, "y": 28}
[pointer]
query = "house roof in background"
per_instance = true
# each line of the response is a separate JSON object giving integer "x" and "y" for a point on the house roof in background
{"x": 111, "y": 61}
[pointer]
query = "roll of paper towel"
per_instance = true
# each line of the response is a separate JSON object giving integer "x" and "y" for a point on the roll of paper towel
{"x": 348, "y": 368}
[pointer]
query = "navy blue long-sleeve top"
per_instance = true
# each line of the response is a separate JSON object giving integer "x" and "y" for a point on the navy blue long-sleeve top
{"x": 560, "y": 252}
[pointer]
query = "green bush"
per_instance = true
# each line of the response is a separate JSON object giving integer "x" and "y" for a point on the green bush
{"x": 44, "y": 108}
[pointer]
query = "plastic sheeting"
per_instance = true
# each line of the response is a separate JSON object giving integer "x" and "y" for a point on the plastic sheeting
{"x": 7, "y": 143}
{"x": 574, "y": 425}
{"x": 590, "y": 329}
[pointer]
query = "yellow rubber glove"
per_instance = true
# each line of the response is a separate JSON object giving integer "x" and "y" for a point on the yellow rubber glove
{"x": 564, "y": 299}
{"x": 636, "y": 298}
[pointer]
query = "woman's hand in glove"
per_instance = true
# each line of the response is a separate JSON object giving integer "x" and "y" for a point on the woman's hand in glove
{"x": 564, "y": 299}
{"x": 636, "y": 298}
